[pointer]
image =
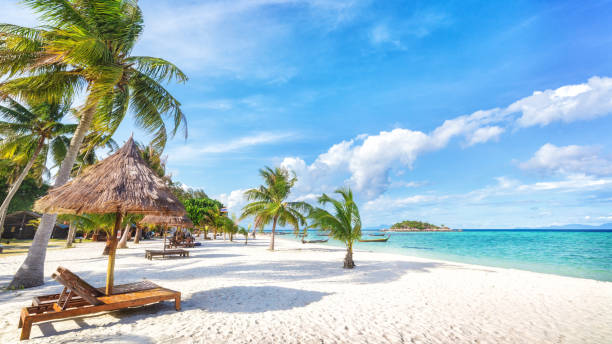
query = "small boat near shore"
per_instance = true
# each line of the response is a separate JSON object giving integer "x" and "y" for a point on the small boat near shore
{"x": 323, "y": 234}
{"x": 375, "y": 240}
{"x": 317, "y": 241}
{"x": 377, "y": 234}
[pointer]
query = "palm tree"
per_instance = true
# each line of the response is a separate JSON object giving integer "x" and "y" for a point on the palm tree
{"x": 86, "y": 45}
{"x": 232, "y": 226}
{"x": 128, "y": 220}
{"x": 212, "y": 218}
{"x": 245, "y": 232}
{"x": 344, "y": 224}
{"x": 28, "y": 135}
{"x": 270, "y": 201}
{"x": 76, "y": 221}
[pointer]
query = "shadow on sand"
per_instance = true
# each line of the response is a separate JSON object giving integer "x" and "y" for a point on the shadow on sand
{"x": 292, "y": 270}
{"x": 245, "y": 299}
{"x": 124, "y": 316}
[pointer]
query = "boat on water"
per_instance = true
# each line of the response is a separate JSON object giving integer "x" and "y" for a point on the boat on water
{"x": 377, "y": 234}
{"x": 323, "y": 234}
{"x": 375, "y": 240}
{"x": 317, "y": 241}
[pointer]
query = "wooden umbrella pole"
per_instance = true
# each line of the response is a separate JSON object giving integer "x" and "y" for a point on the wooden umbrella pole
{"x": 110, "y": 272}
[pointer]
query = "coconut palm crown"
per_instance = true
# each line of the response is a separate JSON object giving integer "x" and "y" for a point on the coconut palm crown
{"x": 269, "y": 201}
{"x": 87, "y": 44}
{"x": 28, "y": 133}
{"x": 344, "y": 223}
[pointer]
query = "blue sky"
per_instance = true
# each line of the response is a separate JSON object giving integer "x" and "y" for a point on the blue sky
{"x": 470, "y": 114}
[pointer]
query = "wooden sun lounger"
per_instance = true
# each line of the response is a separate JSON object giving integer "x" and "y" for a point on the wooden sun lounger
{"x": 149, "y": 254}
{"x": 188, "y": 243}
{"x": 79, "y": 298}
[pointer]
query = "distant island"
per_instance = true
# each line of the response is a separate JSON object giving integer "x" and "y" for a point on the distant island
{"x": 417, "y": 226}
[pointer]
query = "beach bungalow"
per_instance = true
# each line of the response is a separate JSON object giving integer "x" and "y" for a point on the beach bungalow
{"x": 17, "y": 226}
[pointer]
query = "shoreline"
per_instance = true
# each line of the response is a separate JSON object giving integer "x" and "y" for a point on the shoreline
{"x": 447, "y": 261}
{"x": 300, "y": 294}
{"x": 560, "y": 268}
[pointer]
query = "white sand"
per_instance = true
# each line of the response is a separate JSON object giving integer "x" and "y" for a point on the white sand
{"x": 301, "y": 294}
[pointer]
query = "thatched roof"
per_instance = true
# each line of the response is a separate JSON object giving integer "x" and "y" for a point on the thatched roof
{"x": 120, "y": 183}
{"x": 181, "y": 221}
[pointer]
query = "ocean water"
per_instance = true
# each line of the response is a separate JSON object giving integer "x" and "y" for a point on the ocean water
{"x": 576, "y": 253}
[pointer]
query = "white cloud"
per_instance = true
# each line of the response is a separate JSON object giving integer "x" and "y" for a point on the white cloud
{"x": 368, "y": 159}
{"x": 234, "y": 201}
{"x": 192, "y": 151}
{"x": 371, "y": 161}
{"x": 421, "y": 24}
{"x": 485, "y": 134}
{"x": 578, "y": 182}
{"x": 384, "y": 203}
{"x": 568, "y": 103}
{"x": 380, "y": 34}
{"x": 571, "y": 159}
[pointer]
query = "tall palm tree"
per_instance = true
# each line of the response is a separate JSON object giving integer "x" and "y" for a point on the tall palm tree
{"x": 28, "y": 133}
{"x": 269, "y": 201}
{"x": 86, "y": 45}
{"x": 344, "y": 224}
{"x": 212, "y": 218}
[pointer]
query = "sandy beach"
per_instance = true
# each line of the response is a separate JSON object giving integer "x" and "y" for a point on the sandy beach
{"x": 300, "y": 294}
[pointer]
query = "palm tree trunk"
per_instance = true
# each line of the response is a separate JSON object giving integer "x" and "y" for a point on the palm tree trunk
{"x": 254, "y": 230}
{"x": 231, "y": 235}
{"x": 271, "y": 248}
{"x": 17, "y": 183}
{"x": 124, "y": 236}
{"x": 215, "y": 233}
{"x": 71, "y": 234}
{"x": 348, "y": 259}
{"x": 137, "y": 236}
{"x": 32, "y": 271}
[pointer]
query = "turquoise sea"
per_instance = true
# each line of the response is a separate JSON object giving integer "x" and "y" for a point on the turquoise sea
{"x": 576, "y": 253}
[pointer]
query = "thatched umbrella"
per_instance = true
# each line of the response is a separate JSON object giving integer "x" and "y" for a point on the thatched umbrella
{"x": 165, "y": 221}
{"x": 122, "y": 183}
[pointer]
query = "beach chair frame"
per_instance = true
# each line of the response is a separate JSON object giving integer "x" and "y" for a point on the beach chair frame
{"x": 80, "y": 298}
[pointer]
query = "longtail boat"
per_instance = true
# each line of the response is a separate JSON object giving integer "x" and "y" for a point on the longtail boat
{"x": 313, "y": 241}
{"x": 375, "y": 240}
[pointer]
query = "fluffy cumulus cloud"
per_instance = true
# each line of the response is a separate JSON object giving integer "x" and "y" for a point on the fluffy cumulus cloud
{"x": 365, "y": 162}
{"x": 567, "y": 104}
{"x": 234, "y": 201}
{"x": 571, "y": 159}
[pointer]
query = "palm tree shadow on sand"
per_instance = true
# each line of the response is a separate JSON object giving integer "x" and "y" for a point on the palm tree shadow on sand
{"x": 246, "y": 299}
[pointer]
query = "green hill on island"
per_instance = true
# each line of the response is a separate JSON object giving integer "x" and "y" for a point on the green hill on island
{"x": 414, "y": 225}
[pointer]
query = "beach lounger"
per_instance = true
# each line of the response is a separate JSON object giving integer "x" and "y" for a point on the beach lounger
{"x": 149, "y": 254}
{"x": 188, "y": 243}
{"x": 80, "y": 298}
